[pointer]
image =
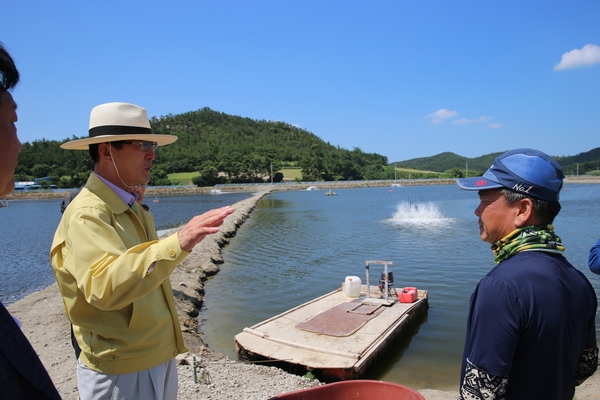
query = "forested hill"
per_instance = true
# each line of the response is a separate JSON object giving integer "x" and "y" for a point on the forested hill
{"x": 216, "y": 137}
{"x": 444, "y": 161}
{"x": 223, "y": 148}
{"x": 583, "y": 163}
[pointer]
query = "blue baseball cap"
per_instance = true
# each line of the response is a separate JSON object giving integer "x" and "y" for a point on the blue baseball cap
{"x": 525, "y": 171}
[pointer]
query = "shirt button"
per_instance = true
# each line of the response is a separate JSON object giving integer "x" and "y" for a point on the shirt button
{"x": 172, "y": 253}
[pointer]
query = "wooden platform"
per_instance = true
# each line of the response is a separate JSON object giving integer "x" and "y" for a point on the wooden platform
{"x": 303, "y": 337}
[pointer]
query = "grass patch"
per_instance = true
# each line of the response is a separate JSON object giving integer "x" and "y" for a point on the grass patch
{"x": 185, "y": 177}
{"x": 291, "y": 173}
{"x": 179, "y": 178}
{"x": 418, "y": 171}
{"x": 309, "y": 375}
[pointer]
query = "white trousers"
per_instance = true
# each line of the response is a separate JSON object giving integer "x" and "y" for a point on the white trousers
{"x": 158, "y": 383}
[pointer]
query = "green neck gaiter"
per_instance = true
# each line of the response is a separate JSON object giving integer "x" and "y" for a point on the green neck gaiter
{"x": 527, "y": 238}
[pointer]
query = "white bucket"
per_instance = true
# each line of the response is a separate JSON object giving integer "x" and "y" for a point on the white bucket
{"x": 352, "y": 286}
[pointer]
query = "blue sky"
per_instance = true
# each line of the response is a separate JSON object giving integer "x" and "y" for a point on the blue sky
{"x": 404, "y": 79}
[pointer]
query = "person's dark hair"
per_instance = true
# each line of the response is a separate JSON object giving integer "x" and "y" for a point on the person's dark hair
{"x": 93, "y": 149}
{"x": 545, "y": 210}
{"x": 8, "y": 70}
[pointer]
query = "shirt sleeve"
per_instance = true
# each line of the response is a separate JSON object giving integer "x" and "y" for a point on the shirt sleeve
{"x": 586, "y": 366}
{"x": 479, "y": 385}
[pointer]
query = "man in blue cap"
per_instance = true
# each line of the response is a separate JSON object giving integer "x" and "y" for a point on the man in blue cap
{"x": 531, "y": 326}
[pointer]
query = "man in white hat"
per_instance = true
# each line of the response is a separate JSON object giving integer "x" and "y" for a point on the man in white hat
{"x": 22, "y": 375}
{"x": 112, "y": 270}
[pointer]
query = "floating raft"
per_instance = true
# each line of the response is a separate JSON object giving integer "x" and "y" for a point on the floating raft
{"x": 335, "y": 336}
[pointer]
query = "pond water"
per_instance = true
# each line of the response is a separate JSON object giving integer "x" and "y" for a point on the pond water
{"x": 300, "y": 245}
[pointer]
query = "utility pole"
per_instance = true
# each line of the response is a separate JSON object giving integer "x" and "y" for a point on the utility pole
{"x": 467, "y": 170}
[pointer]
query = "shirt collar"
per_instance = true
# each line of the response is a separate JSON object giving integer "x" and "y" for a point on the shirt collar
{"x": 128, "y": 198}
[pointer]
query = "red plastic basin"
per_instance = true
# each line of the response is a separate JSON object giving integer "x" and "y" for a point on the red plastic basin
{"x": 356, "y": 389}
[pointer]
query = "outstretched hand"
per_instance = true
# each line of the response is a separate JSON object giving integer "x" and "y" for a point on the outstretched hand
{"x": 202, "y": 225}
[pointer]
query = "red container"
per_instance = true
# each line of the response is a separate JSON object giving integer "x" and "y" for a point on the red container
{"x": 408, "y": 295}
{"x": 357, "y": 389}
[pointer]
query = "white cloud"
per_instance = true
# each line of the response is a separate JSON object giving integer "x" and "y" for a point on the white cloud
{"x": 441, "y": 115}
{"x": 494, "y": 125}
{"x": 587, "y": 55}
{"x": 471, "y": 121}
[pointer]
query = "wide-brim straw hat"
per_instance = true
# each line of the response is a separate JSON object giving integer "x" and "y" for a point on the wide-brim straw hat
{"x": 112, "y": 122}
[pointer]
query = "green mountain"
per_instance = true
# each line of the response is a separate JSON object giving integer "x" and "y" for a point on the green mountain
{"x": 444, "y": 161}
{"x": 222, "y": 148}
{"x": 582, "y": 163}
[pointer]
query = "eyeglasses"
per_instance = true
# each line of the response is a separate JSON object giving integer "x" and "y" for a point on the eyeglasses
{"x": 144, "y": 146}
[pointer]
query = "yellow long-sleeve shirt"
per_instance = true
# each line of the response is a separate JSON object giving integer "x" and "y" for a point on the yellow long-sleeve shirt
{"x": 113, "y": 274}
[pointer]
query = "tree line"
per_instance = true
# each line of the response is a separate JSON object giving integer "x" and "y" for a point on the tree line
{"x": 222, "y": 148}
